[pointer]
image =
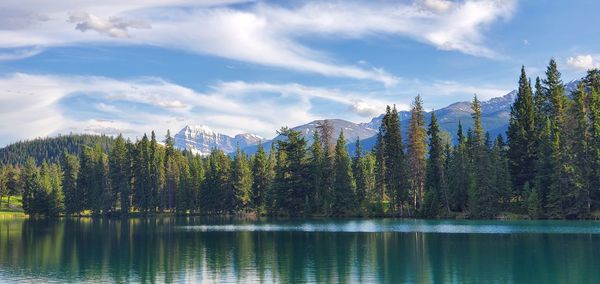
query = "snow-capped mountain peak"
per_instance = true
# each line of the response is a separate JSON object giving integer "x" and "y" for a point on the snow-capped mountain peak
{"x": 200, "y": 139}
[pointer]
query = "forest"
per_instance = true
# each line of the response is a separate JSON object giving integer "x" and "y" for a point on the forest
{"x": 547, "y": 167}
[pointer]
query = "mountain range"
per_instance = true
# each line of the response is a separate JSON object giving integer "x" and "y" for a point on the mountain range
{"x": 495, "y": 117}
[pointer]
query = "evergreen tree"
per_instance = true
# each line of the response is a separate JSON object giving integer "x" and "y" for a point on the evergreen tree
{"x": 157, "y": 174}
{"x": 293, "y": 196}
{"x": 534, "y": 204}
{"x": 276, "y": 200}
{"x": 416, "y": 148}
{"x": 395, "y": 171}
{"x": 579, "y": 203}
{"x": 241, "y": 180}
{"x": 360, "y": 173}
{"x": 141, "y": 173}
{"x": 270, "y": 194}
{"x": 484, "y": 201}
{"x": 262, "y": 178}
{"x": 543, "y": 166}
{"x": 119, "y": 165}
{"x": 502, "y": 182}
{"x": 592, "y": 79}
{"x": 379, "y": 153}
{"x": 3, "y": 182}
{"x": 459, "y": 173}
{"x": 13, "y": 183}
{"x": 521, "y": 135}
{"x": 184, "y": 196}
{"x": 477, "y": 126}
{"x": 594, "y": 146}
{"x": 197, "y": 175}
{"x": 560, "y": 179}
{"x": 53, "y": 198}
{"x": 31, "y": 180}
{"x": 343, "y": 190}
{"x": 435, "y": 171}
{"x": 217, "y": 185}
{"x": 101, "y": 200}
{"x": 172, "y": 175}
{"x": 70, "y": 168}
{"x": 317, "y": 174}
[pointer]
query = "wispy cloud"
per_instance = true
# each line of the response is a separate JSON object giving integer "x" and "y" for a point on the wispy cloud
{"x": 42, "y": 105}
{"x": 19, "y": 53}
{"x": 261, "y": 33}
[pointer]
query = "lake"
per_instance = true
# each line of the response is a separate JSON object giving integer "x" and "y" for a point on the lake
{"x": 220, "y": 250}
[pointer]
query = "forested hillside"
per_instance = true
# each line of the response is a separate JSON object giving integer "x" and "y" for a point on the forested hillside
{"x": 548, "y": 168}
{"x": 51, "y": 149}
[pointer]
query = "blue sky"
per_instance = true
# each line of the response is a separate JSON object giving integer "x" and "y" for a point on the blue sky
{"x": 132, "y": 66}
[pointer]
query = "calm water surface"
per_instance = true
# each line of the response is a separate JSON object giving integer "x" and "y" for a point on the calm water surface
{"x": 220, "y": 250}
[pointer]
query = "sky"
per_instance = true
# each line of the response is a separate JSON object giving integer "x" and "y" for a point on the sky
{"x": 133, "y": 66}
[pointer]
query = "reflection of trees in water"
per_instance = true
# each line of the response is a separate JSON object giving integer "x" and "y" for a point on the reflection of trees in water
{"x": 157, "y": 249}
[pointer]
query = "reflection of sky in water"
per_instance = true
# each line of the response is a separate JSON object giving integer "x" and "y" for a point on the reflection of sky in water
{"x": 411, "y": 226}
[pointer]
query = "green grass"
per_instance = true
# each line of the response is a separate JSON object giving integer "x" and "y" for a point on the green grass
{"x": 6, "y": 214}
{"x": 14, "y": 211}
{"x": 15, "y": 201}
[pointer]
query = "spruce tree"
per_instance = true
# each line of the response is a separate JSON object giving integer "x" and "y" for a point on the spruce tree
{"x": 521, "y": 135}
{"x": 459, "y": 173}
{"x": 360, "y": 173}
{"x": 31, "y": 180}
{"x": 141, "y": 173}
{"x": 13, "y": 181}
{"x": 70, "y": 168}
{"x": 294, "y": 197}
{"x": 395, "y": 170}
{"x": 380, "y": 182}
{"x": 216, "y": 186}
{"x": 120, "y": 163}
{"x": 416, "y": 148}
{"x": 241, "y": 181}
{"x": 435, "y": 170}
{"x": 261, "y": 174}
{"x": 502, "y": 183}
{"x": 343, "y": 190}
{"x": 534, "y": 204}
{"x": 168, "y": 195}
{"x": 554, "y": 89}
{"x": 316, "y": 164}
{"x": 577, "y": 155}
{"x": 594, "y": 146}
{"x": 157, "y": 174}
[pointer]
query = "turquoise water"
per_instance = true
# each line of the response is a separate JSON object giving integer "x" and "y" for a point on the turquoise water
{"x": 220, "y": 250}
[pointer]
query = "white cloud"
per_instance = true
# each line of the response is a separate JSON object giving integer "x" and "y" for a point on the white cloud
{"x": 584, "y": 62}
{"x": 365, "y": 108}
{"x": 19, "y": 54}
{"x": 259, "y": 33}
{"x": 438, "y": 5}
{"x": 114, "y": 27}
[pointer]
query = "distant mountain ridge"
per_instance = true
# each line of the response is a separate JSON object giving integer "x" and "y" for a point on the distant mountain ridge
{"x": 495, "y": 114}
{"x": 495, "y": 117}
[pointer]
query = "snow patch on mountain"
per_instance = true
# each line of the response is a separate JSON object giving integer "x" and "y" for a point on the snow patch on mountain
{"x": 200, "y": 139}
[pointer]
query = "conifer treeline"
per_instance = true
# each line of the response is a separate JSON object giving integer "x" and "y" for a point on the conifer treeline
{"x": 549, "y": 168}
